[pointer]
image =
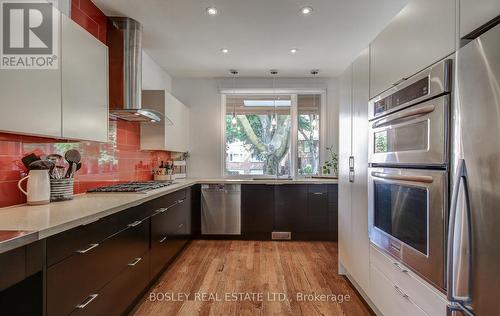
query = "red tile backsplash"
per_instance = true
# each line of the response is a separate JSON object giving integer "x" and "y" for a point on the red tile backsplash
{"x": 88, "y": 16}
{"x": 119, "y": 160}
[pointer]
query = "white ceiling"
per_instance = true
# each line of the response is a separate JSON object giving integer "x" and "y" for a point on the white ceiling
{"x": 183, "y": 39}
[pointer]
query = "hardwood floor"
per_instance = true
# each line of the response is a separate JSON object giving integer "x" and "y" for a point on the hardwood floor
{"x": 213, "y": 273}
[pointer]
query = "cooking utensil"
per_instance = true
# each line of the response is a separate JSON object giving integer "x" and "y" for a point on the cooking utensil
{"x": 72, "y": 156}
{"x": 28, "y": 159}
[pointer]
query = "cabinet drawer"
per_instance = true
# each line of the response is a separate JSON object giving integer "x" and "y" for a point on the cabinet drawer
{"x": 169, "y": 199}
{"x": 426, "y": 297}
{"x": 389, "y": 298}
{"x": 163, "y": 247}
{"x": 65, "y": 244}
{"x": 70, "y": 281}
{"x": 117, "y": 296}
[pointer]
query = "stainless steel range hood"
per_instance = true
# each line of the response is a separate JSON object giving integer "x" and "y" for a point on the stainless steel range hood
{"x": 126, "y": 48}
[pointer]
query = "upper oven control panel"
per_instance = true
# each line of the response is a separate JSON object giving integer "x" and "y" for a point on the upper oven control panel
{"x": 429, "y": 83}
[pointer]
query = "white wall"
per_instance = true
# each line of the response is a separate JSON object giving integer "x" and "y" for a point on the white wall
{"x": 153, "y": 76}
{"x": 203, "y": 98}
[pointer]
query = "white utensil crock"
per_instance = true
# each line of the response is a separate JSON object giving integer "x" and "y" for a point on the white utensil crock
{"x": 37, "y": 188}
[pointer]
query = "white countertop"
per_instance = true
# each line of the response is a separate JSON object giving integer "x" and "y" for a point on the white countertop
{"x": 53, "y": 218}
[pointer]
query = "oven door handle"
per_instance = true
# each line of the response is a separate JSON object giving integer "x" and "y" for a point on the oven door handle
{"x": 463, "y": 235}
{"x": 400, "y": 177}
{"x": 423, "y": 110}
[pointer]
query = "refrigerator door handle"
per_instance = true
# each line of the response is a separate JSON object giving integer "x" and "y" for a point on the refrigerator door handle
{"x": 454, "y": 235}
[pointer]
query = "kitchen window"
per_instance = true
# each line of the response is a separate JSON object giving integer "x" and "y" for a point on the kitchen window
{"x": 308, "y": 127}
{"x": 272, "y": 134}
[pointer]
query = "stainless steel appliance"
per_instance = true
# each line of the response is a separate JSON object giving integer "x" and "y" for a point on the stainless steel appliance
{"x": 404, "y": 131}
{"x": 407, "y": 208}
{"x": 417, "y": 135}
{"x": 427, "y": 84}
{"x": 220, "y": 209}
{"x": 473, "y": 245}
{"x": 139, "y": 187}
{"x": 408, "y": 174}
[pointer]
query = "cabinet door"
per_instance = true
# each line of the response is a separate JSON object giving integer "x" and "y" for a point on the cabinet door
{"x": 420, "y": 35}
{"x": 257, "y": 208}
{"x": 359, "y": 266}
{"x": 290, "y": 212}
{"x": 344, "y": 189}
{"x": 317, "y": 208}
{"x": 31, "y": 99}
{"x": 84, "y": 84}
{"x": 475, "y": 13}
{"x": 176, "y": 134}
{"x": 333, "y": 209}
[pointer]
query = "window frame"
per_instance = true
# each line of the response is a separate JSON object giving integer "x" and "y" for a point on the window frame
{"x": 293, "y": 129}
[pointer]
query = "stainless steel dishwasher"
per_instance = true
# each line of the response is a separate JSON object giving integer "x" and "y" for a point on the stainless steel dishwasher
{"x": 220, "y": 209}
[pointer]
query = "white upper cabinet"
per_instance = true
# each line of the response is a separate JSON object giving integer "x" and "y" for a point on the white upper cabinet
{"x": 172, "y": 133}
{"x": 31, "y": 100}
{"x": 176, "y": 134}
{"x": 420, "y": 35}
{"x": 68, "y": 102}
{"x": 475, "y": 13}
{"x": 84, "y": 84}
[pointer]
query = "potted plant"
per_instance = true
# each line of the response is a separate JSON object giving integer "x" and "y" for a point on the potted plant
{"x": 331, "y": 165}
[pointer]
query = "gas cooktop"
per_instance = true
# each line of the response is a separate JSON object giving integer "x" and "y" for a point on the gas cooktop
{"x": 132, "y": 187}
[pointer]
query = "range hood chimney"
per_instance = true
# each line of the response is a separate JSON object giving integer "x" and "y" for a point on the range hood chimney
{"x": 125, "y": 72}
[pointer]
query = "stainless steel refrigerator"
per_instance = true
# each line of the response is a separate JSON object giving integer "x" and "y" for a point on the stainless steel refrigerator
{"x": 474, "y": 230}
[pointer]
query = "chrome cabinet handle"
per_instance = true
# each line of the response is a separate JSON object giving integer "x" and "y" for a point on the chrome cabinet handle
{"x": 460, "y": 178}
{"x": 134, "y": 262}
{"x": 163, "y": 239}
{"x": 180, "y": 201}
{"x": 318, "y": 193}
{"x": 388, "y": 176}
{"x": 351, "y": 169}
{"x": 134, "y": 224}
{"x": 400, "y": 292}
{"x": 91, "y": 246}
{"x": 180, "y": 226}
{"x": 87, "y": 301}
{"x": 404, "y": 114}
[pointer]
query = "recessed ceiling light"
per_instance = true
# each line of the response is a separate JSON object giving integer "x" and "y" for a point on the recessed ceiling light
{"x": 224, "y": 50}
{"x": 306, "y": 10}
{"x": 293, "y": 50}
{"x": 212, "y": 11}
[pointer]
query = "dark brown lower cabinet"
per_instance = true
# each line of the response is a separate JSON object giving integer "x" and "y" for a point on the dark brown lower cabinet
{"x": 317, "y": 209}
{"x": 257, "y": 210}
{"x": 290, "y": 207}
{"x": 71, "y": 281}
{"x": 307, "y": 211}
{"x": 116, "y": 297}
{"x": 170, "y": 231}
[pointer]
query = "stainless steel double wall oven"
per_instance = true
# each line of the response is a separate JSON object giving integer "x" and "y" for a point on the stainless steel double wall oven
{"x": 408, "y": 172}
